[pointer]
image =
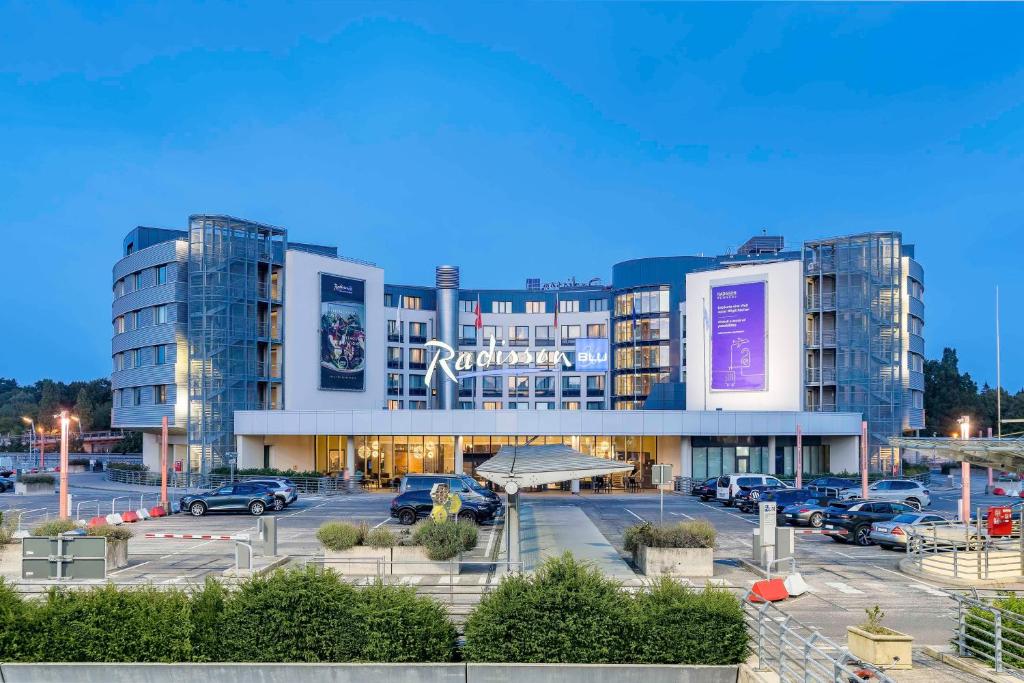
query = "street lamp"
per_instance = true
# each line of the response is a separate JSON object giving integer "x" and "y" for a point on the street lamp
{"x": 65, "y": 423}
{"x": 965, "y": 472}
{"x": 31, "y": 434}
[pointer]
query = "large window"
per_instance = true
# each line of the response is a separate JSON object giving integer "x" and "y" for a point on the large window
{"x": 417, "y": 385}
{"x": 161, "y": 275}
{"x": 570, "y": 385}
{"x": 568, "y": 306}
{"x": 491, "y": 385}
{"x": 595, "y": 385}
{"x": 570, "y": 333}
{"x": 536, "y": 307}
{"x": 395, "y": 330}
{"x": 597, "y": 330}
{"x": 501, "y": 307}
{"x": 492, "y": 405}
{"x": 395, "y": 357}
{"x": 641, "y": 302}
{"x": 597, "y": 305}
{"x": 543, "y": 386}
{"x": 413, "y": 303}
{"x": 160, "y": 394}
{"x": 417, "y": 332}
{"x": 417, "y": 359}
{"x": 160, "y": 354}
{"x": 544, "y": 335}
{"x": 642, "y": 329}
{"x": 642, "y": 356}
{"x": 570, "y": 405}
{"x": 519, "y": 335}
{"x": 467, "y": 306}
{"x": 518, "y": 386}
{"x": 492, "y": 331}
{"x": 467, "y": 386}
{"x": 394, "y": 383}
{"x": 159, "y": 315}
{"x": 468, "y": 335}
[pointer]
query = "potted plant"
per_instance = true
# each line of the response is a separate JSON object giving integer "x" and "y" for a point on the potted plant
{"x": 76, "y": 465}
{"x": 34, "y": 484}
{"x": 356, "y": 550}
{"x": 117, "y": 544}
{"x": 680, "y": 549}
{"x": 879, "y": 645}
{"x": 433, "y": 546}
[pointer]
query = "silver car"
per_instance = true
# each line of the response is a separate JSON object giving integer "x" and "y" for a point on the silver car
{"x": 908, "y": 491}
{"x": 894, "y": 533}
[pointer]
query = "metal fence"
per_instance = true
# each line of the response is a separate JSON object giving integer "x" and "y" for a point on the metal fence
{"x": 967, "y": 551}
{"x": 684, "y": 484}
{"x": 798, "y": 653}
{"x": 322, "y": 486}
{"x": 987, "y": 631}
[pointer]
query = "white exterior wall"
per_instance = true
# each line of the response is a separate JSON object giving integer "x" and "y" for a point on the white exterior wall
{"x": 784, "y": 345}
{"x": 176, "y": 450}
{"x": 302, "y": 335}
{"x": 286, "y": 452}
{"x": 844, "y": 453}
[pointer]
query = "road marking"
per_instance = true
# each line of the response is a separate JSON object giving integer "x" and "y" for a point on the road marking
{"x": 382, "y": 523}
{"x": 634, "y": 514}
{"x": 928, "y": 590}
{"x": 843, "y": 588}
{"x": 410, "y": 580}
{"x": 680, "y": 514}
{"x": 842, "y": 554}
{"x": 912, "y": 580}
{"x": 490, "y": 543}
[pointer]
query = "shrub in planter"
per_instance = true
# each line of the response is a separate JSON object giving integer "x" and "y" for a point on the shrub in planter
{"x": 445, "y": 540}
{"x": 399, "y": 626}
{"x": 128, "y": 466}
{"x": 111, "y": 532}
{"x": 698, "y": 533}
{"x": 78, "y": 462}
{"x": 117, "y": 543}
{"x": 381, "y": 537}
{"x": 302, "y": 615}
{"x": 566, "y": 612}
{"x": 674, "y": 624}
{"x": 339, "y": 536}
{"x": 54, "y": 527}
{"x": 37, "y": 479}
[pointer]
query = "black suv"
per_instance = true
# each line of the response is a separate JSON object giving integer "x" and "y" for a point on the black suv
{"x": 478, "y": 504}
{"x": 706, "y": 489}
{"x": 850, "y": 520}
{"x": 781, "y": 498}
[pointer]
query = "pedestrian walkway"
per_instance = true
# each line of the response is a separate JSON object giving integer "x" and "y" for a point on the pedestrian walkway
{"x": 550, "y": 530}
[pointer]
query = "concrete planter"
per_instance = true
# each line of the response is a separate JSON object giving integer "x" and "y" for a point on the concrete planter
{"x": 676, "y": 561}
{"x": 423, "y": 565}
{"x": 347, "y": 562}
{"x": 10, "y": 561}
{"x": 77, "y": 469}
{"x": 21, "y": 489}
{"x": 117, "y": 554}
{"x": 888, "y": 650}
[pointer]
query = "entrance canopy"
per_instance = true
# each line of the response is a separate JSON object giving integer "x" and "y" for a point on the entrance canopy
{"x": 550, "y": 464}
{"x": 1002, "y": 454}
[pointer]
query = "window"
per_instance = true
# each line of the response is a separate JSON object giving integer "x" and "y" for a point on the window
{"x": 518, "y": 386}
{"x": 595, "y": 405}
{"x": 136, "y": 281}
{"x": 418, "y": 359}
{"x": 160, "y": 394}
{"x": 543, "y": 386}
{"x": 467, "y": 306}
{"x": 394, "y": 383}
{"x": 117, "y": 398}
{"x": 417, "y": 405}
{"x": 492, "y": 385}
{"x": 159, "y": 315}
{"x": 570, "y": 333}
{"x": 394, "y": 404}
{"x": 413, "y": 303}
{"x": 161, "y": 275}
{"x": 570, "y": 385}
{"x": 160, "y": 355}
{"x": 389, "y": 302}
{"x": 597, "y": 305}
{"x": 417, "y": 332}
{"x": 119, "y": 288}
{"x": 395, "y": 330}
{"x": 492, "y": 331}
{"x": 133, "y": 320}
{"x": 468, "y": 335}
{"x": 395, "y": 357}
{"x": 595, "y": 385}
{"x": 570, "y": 405}
{"x": 597, "y": 330}
{"x": 501, "y": 307}
{"x": 570, "y": 358}
{"x": 417, "y": 385}
{"x": 118, "y": 362}
{"x": 544, "y": 405}
{"x": 492, "y": 405}
{"x": 519, "y": 405}
{"x": 634, "y": 303}
{"x": 467, "y": 387}
{"x": 519, "y": 335}
{"x": 544, "y": 335}
{"x": 136, "y": 358}
{"x": 536, "y": 307}
{"x": 568, "y": 306}
{"x": 119, "y": 324}
{"x": 136, "y": 396}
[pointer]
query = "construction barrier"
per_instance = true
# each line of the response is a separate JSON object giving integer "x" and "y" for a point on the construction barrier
{"x": 143, "y": 513}
{"x": 158, "y": 511}
{"x": 770, "y": 590}
{"x": 114, "y": 519}
{"x": 129, "y": 517}
{"x": 96, "y": 521}
{"x": 795, "y": 585}
{"x": 201, "y": 537}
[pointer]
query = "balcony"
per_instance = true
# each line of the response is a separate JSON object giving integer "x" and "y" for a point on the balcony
{"x": 417, "y": 339}
{"x": 823, "y": 407}
{"x": 826, "y": 301}
{"x": 267, "y": 330}
{"x": 820, "y": 265}
{"x": 544, "y": 342}
{"x": 267, "y": 290}
{"x": 821, "y": 338}
{"x": 395, "y": 364}
{"x": 395, "y": 337}
{"x": 467, "y": 341}
{"x": 271, "y": 370}
{"x": 813, "y": 375}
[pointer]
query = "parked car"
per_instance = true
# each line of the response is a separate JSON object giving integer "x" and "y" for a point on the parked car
{"x": 781, "y": 497}
{"x": 908, "y": 491}
{"x": 6, "y": 483}
{"x": 478, "y": 503}
{"x": 894, "y": 533}
{"x": 730, "y": 484}
{"x": 706, "y": 489}
{"x": 810, "y": 512}
{"x": 850, "y": 521}
{"x": 285, "y": 490}
{"x": 825, "y": 484}
{"x": 241, "y": 497}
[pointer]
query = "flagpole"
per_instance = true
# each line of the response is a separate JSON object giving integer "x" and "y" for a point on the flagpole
{"x": 999, "y": 388}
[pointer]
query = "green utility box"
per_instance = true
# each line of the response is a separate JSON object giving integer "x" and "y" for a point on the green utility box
{"x": 64, "y": 557}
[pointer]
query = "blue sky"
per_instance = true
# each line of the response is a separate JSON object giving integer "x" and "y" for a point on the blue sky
{"x": 515, "y": 140}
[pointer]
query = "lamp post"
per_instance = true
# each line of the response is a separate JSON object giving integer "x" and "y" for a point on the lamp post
{"x": 965, "y": 472}
{"x": 65, "y": 425}
{"x": 31, "y": 433}
{"x": 42, "y": 448}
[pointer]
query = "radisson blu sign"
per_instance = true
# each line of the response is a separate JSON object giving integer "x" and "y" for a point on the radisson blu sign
{"x": 592, "y": 355}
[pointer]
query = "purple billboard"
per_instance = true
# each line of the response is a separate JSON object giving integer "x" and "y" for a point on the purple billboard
{"x": 738, "y": 358}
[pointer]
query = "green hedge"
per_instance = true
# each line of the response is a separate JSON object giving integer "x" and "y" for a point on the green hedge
{"x": 445, "y": 540}
{"x": 698, "y": 533}
{"x": 41, "y": 478}
{"x": 128, "y": 466}
{"x": 980, "y": 629}
{"x": 570, "y": 612}
{"x": 267, "y": 472}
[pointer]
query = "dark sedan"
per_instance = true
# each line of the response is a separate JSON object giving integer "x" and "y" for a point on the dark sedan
{"x": 6, "y": 484}
{"x": 781, "y": 498}
{"x": 705, "y": 490}
{"x": 850, "y": 521}
{"x": 242, "y": 497}
{"x": 810, "y": 512}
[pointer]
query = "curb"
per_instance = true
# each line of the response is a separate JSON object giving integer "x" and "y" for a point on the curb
{"x": 907, "y": 567}
{"x": 967, "y": 665}
{"x": 277, "y": 562}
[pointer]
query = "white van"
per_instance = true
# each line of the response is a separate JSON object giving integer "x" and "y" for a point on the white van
{"x": 729, "y": 485}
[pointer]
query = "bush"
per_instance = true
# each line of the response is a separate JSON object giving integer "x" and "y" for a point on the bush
{"x": 566, "y": 612}
{"x": 381, "y": 537}
{"x": 399, "y": 626}
{"x": 37, "y": 479}
{"x": 267, "y": 472}
{"x": 338, "y": 536}
{"x": 673, "y": 624}
{"x": 79, "y": 462}
{"x": 54, "y": 527}
{"x": 207, "y": 609}
{"x": 698, "y": 533}
{"x": 445, "y": 540}
{"x": 292, "y": 616}
{"x": 127, "y": 466}
{"x": 112, "y": 533}
{"x": 980, "y": 630}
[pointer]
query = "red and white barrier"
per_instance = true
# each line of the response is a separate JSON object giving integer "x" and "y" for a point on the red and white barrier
{"x": 158, "y": 511}
{"x": 129, "y": 517}
{"x": 201, "y": 537}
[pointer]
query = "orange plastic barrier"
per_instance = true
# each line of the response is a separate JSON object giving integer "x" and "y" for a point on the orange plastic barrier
{"x": 158, "y": 511}
{"x": 771, "y": 590}
{"x": 129, "y": 517}
{"x": 97, "y": 521}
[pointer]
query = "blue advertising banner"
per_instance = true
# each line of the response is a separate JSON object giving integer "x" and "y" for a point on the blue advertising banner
{"x": 738, "y": 337}
{"x": 592, "y": 354}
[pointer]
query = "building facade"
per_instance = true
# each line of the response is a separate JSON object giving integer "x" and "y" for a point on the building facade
{"x": 285, "y": 354}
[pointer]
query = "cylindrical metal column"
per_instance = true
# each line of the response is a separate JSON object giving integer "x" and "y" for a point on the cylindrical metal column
{"x": 447, "y": 284}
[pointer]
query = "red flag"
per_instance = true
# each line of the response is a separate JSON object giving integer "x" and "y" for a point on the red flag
{"x": 556, "y": 312}
{"x": 479, "y": 317}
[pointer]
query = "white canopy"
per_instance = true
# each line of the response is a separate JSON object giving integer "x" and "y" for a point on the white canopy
{"x": 539, "y": 465}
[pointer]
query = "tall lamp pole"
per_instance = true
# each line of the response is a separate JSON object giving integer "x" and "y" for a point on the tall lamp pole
{"x": 965, "y": 472}
{"x": 42, "y": 449}
{"x": 65, "y": 428}
{"x": 31, "y": 434}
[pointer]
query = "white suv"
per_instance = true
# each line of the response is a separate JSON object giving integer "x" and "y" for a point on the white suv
{"x": 729, "y": 485}
{"x": 908, "y": 491}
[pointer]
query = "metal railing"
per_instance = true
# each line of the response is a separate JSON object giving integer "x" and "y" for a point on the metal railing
{"x": 967, "y": 551}
{"x": 987, "y": 631}
{"x": 797, "y": 652}
{"x": 321, "y": 486}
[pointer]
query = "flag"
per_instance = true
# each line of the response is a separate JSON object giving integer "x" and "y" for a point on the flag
{"x": 556, "y": 312}
{"x": 479, "y": 323}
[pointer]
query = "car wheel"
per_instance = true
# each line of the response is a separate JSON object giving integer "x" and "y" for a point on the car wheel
{"x": 467, "y": 515}
{"x": 197, "y": 509}
{"x": 838, "y": 539}
{"x": 914, "y": 503}
{"x": 862, "y": 535}
{"x": 278, "y": 505}
{"x": 257, "y": 508}
{"x": 816, "y": 520}
{"x": 407, "y": 517}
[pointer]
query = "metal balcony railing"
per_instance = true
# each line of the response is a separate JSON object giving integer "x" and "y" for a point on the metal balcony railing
{"x": 825, "y": 301}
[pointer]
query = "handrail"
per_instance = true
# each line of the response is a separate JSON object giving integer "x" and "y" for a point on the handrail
{"x": 989, "y": 632}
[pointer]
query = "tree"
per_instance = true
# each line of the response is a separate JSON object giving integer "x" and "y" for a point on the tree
{"x": 131, "y": 443}
{"x": 948, "y": 394}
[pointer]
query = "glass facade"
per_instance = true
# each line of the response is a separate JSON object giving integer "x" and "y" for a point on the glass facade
{"x": 642, "y": 356}
{"x": 714, "y": 456}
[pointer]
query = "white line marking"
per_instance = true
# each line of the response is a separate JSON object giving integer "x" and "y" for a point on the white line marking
{"x": 912, "y": 580}
{"x": 849, "y": 557}
{"x": 681, "y": 514}
{"x": 382, "y": 523}
{"x": 926, "y": 589}
{"x": 410, "y": 580}
{"x": 634, "y": 514}
{"x": 843, "y": 588}
{"x": 490, "y": 543}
